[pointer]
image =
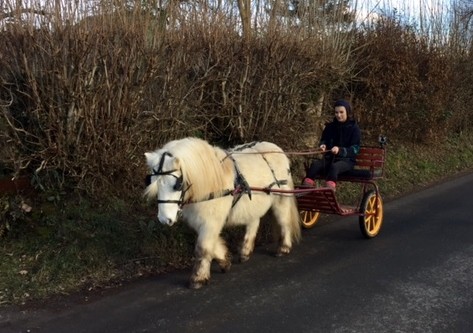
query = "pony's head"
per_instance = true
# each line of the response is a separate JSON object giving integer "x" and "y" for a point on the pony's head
{"x": 185, "y": 171}
{"x": 166, "y": 183}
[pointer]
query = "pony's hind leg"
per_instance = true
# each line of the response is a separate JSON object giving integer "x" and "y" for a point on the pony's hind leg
{"x": 285, "y": 243}
{"x": 287, "y": 216}
{"x": 248, "y": 244}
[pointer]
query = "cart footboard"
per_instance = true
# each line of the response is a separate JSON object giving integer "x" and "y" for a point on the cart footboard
{"x": 323, "y": 200}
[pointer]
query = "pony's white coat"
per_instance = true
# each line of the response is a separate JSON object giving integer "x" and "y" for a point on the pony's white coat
{"x": 210, "y": 170}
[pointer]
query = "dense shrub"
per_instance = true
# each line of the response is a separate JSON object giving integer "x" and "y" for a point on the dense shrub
{"x": 405, "y": 86}
{"x": 80, "y": 103}
{"x": 87, "y": 100}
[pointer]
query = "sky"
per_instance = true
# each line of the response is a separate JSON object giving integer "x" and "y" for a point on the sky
{"x": 408, "y": 8}
{"x": 366, "y": 9}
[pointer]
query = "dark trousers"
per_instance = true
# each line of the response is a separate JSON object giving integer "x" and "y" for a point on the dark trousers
{"x": 329, "y": 168}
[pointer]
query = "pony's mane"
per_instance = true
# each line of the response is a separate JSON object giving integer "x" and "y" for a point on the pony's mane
{"x": 203, "y": 167}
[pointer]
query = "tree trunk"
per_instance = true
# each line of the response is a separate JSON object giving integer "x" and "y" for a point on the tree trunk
{"x": 245, "y": 14}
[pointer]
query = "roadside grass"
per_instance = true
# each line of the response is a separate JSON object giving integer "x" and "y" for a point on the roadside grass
{"x": 79, "y": 249}
{"x": 411, "y": 167}
{"x": 68, "y": 246}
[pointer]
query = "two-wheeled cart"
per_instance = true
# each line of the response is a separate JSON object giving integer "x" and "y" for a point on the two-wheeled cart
{"x": 312, "y": 201}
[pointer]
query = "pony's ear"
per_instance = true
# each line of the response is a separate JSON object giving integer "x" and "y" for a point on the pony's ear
{"x": 176, "y": 163}
{"x": 150, "y": 157}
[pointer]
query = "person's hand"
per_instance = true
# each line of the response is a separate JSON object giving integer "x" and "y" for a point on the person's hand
{"x": 323, "y": 147}
{"x": 335, "y": 150}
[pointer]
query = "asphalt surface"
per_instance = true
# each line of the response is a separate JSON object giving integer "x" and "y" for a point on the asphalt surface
{"x": 416, "y": 276}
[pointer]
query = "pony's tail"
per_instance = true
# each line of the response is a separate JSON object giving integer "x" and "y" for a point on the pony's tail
{"x": 295, "y": 222}
{"x": 294, "y": 216}
{"x": 151, "y": 191}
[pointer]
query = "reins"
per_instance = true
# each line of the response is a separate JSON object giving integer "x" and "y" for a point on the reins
{"x": 304, "y": 152}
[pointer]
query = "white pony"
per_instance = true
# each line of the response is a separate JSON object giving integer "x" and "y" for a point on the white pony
{"x": 212, "y": 188}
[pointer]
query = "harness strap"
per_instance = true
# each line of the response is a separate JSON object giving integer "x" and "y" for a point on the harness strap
{"x": 169, "y": 201}
{"x": 161, "y": 163}
{"x": 244, "y": 146}
{"x": 276, "y": 181}
{"x": 213, "y": 195}
{"x": 241, "y": 185}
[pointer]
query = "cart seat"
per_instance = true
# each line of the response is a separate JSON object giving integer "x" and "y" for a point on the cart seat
{"x": 369, "y": 165}
{"x": 361, "y": 174}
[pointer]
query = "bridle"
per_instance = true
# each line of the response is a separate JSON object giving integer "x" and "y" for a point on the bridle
{"x": 178, "y": 186}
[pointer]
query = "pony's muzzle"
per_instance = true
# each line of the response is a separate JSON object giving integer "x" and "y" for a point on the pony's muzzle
{"x": 169, "y": 220}
{"x": 170, "y": 214}
{"x": 166, "y": 220}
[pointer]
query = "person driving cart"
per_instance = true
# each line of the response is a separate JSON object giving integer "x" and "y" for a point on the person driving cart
{"x": 339, "y": 143}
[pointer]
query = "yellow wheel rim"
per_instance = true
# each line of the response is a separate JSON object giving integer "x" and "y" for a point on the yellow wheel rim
{"x": 373, "y": 215}
{"x": 309, "y": 218}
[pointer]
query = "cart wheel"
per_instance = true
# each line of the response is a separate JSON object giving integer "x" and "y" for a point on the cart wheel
{"x": 309, "y": 218}
{"x": 372, "y": 218}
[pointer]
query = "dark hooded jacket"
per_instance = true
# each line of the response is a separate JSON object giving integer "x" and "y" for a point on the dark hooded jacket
{"x": 346, "y": 135}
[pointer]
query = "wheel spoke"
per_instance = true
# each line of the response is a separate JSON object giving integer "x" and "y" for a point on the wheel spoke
{"x": 372, "y": 209}
{"x": 309, "y": 218}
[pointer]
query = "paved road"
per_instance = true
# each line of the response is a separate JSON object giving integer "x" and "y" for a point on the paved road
{"x": 416, "y": 276}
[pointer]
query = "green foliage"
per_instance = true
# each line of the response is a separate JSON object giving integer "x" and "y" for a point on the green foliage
{"x": 10, "y": 212}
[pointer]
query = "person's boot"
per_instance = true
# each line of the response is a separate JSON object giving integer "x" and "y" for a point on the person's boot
{"x": 308, "y": 182}
{"x": 331, "y": 184}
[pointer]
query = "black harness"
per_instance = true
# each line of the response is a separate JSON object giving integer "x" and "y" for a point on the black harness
{"x": 241, "y": 186}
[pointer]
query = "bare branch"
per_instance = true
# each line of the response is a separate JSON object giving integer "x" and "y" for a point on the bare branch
{"x": 16, "y": 13}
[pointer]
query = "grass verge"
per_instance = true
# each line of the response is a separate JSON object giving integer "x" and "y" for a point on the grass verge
{"x": 64, "y": 247}
{"x": 59, "y": 251}
{"x": 411, "y": 167}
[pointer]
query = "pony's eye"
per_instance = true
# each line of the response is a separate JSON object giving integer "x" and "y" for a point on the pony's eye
{"x": 148, "y": 179}
{"x": 178, "y": 184}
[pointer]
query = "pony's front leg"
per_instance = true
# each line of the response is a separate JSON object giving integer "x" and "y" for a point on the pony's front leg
{"x": 222, "y": 256}
{"x": 201, "y": 271}
{"x": 205, "y": 253}
{"x": 249, "y": 241}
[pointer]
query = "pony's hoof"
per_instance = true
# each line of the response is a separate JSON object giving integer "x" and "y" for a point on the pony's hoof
{"x": 244, "y": 258}
{"x": 198, "y": 284}
{"x": 283, "y": 250}
{"x": 225, "y": 266}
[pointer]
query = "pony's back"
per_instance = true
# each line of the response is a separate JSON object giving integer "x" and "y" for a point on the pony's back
{"x": 265, "y": 156}
{"x": 265, "y": 164}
